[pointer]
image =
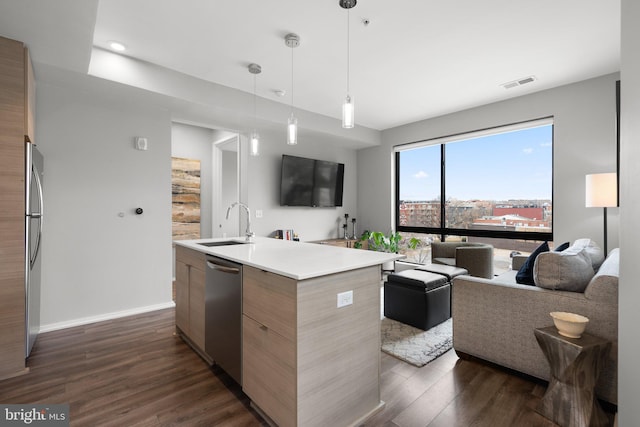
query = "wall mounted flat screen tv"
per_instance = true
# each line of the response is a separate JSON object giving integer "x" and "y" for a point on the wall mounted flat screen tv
{"x": 309, "y": 182}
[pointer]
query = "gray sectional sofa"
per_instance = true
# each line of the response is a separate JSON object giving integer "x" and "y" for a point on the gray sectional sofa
{"x": 494, "y": 319}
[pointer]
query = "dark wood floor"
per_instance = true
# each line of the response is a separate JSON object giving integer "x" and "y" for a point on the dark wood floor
{"x": 135, "y": 372}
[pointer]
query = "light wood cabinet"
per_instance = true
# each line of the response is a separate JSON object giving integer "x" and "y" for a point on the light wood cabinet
{"x": 305, "y": 361}
{"x": 30, "y": 98}
{"x": 343, "y": 243}
{"x": 270, "y": 299}
{"x": 269, "y": 371}
{"x": 182, "y": 295}
{"x": 17, "y": 96}
{"x": 190, "y": 301}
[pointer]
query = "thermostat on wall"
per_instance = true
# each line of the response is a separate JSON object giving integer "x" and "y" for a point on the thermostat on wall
{"x": 141, "y": 143}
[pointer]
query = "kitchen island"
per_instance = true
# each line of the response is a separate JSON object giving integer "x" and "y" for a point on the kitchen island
{"x": 305, "y": 360}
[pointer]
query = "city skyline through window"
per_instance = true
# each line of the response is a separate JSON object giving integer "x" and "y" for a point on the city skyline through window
{"x": 494, "y": 184}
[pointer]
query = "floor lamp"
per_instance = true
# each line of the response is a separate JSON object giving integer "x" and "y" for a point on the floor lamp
{"x": 601, "y": 191}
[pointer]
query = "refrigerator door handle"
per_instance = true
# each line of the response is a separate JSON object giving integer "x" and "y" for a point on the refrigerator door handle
{"x": 38, "y": 215}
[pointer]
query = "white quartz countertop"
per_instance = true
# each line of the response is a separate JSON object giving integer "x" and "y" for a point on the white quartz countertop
{"x": 297, "y": 260}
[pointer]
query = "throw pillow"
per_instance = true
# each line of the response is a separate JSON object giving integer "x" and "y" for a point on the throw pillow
{"x": 561, "y": 247}
{"x": 569, "y": 270}
{"x": 525, "y": 274}
{"x": 593, "y": 251}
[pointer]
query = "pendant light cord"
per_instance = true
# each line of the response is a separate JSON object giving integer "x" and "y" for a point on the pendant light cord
{"x": 348, "y": 32}
{"x": 254, "y": 103}
{"x": 292, "y": 81}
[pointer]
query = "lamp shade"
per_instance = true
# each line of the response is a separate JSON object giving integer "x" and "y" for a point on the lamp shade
{"x": 601, "y": 190}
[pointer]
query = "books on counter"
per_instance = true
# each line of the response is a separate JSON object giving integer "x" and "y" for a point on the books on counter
{"x": 286, "y": 235}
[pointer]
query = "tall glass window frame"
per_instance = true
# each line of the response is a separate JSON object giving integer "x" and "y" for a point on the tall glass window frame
{"x": 442, "y": 229}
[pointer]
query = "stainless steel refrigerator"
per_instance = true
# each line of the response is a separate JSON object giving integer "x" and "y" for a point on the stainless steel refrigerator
{"x": 33, "y": 237}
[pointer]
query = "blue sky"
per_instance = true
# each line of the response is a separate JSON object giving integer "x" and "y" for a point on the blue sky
{"x": 513, "y": 165}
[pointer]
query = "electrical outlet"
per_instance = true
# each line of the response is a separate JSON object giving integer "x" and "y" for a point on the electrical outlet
{"x": 345, "y": 298}
{"x": 258, "y": 213}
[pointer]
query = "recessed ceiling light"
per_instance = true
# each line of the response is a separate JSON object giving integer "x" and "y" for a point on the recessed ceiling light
{"x": 117, "y": 46}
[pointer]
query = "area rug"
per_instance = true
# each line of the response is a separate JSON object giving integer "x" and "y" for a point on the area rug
{"x": 413, "y": 345}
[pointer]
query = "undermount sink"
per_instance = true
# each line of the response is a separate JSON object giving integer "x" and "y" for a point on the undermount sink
{"x": 223, "y": 243}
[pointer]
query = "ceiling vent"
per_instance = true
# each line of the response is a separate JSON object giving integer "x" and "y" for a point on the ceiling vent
{"x": 519, "y": 82}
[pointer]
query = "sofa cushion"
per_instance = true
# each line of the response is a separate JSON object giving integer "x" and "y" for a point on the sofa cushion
{"x": 593, "y": 251}
{"x": 447, "y": 271}
{"x": 569, "y": 270}
{"x": 604, "y": 285}
{"x": 525, "y": 274}
{"x": 445, "y": 261}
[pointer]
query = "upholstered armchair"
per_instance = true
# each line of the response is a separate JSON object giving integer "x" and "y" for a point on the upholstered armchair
{"x": 476, "y": 258}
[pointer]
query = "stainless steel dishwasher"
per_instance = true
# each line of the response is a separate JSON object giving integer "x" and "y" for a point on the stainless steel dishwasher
{"x": 223, "y": 315}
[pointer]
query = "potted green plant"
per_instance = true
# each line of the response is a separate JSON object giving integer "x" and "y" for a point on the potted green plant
{"x": 414, "y": 243}
{"x": 378, "y": 241}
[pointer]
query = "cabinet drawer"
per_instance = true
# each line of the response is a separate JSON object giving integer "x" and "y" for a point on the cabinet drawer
{"x": 270, "y": 299}
{"x": 196, "y": 306}
{"x": 190, "y": 256}
{"x": 268, "y": 371}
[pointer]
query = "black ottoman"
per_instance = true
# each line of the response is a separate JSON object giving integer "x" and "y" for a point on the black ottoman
{"x": 449, "y": 271}
{"x": 418, "y": 298}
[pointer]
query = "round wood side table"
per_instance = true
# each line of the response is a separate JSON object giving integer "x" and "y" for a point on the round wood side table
{"x": 575, "y": 364}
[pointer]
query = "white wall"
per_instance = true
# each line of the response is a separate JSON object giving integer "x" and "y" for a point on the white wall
{"x": 629, "y": 291}
{"x": 264, "y": 187}
{"x": 584, "y": 142}
{"x": 96, "y": 263}
{"x": 193, "y": 142}
{"x": 229, "y": 193}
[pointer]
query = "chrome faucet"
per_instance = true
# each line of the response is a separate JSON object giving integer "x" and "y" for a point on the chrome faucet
{"x": 248, "y": 233}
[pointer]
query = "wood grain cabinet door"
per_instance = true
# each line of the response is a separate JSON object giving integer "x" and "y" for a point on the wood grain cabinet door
{"x": 12, "y": 209}
{"x": 190, "y": 294}
{"x": 30, "y": 98}
{"x": 269, "y": 371}
{"x": 182, "y": 296}
{"x": 196, "y": 306}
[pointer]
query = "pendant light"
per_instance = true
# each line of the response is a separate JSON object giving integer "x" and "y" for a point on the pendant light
{"x": 254, "y": 138}
{"x": 348, "y": 112}
{"x": 292, "y": 40}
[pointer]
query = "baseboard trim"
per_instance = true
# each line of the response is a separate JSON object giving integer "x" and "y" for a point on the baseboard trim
{"x": 102, "y": 317}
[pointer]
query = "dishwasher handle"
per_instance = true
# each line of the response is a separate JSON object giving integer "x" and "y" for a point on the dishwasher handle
{"x": 222, "y": 268}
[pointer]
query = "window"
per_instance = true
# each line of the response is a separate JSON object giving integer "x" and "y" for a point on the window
{"x": 494, "y": 183}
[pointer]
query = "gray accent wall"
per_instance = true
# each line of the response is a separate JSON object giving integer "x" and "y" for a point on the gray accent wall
{"x": 584, "y": 142}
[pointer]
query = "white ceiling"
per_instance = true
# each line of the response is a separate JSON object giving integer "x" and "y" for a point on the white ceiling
{"x": 416, "y": 59}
